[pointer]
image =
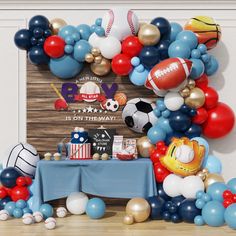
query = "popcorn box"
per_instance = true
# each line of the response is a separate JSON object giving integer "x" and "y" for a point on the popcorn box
{"x": 80, "y": 151}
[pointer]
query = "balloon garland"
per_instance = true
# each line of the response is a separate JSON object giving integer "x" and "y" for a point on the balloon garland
{"x": 175, "y": 63}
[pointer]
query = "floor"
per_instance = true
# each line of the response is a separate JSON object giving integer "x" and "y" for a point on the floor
{"x": 111, "y": 224}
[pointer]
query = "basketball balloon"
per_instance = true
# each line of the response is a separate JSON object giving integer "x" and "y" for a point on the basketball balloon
{"x": 121, "y": 98}
{"x": 206, "y": 30}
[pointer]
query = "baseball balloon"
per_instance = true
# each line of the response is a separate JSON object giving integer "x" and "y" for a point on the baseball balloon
{"x": 50, "y": 223}
{"x": 4, "y": 215}
{"x": 95, "y": 40}
{"x": 27, "y": 219}
{"x": 61, "y": 212}
{"x": 38, "y": 216}
{"x": 184, "y": 153}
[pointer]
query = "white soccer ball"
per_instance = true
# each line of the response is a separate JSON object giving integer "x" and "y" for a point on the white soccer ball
{"x": 184, "y": 153}
{"x": 76, "y": 203}
{"x": 27, "y": 219}
{"x": 138, "y": 115}
{"x": 4, "y": 215}
{"x": 120, "y": 23}
{"x": 38, "y": 217}
{"x": 50, "y": 223}
{"x": 111, "y": 105}
{"x": 61, "y": 212}
{"x": 23, "y": 157}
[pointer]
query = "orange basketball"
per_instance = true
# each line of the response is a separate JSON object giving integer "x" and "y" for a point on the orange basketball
{"x": 121, "y": 98}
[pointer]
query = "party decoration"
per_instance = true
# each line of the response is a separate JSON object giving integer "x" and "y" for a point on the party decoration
{"x": 173, "y": 101}
{"x": 232, "y": 185}
{"x": 139, "y": 208}
{"x": 56, "y": 24}
{"x": 22, "y": 39}
{"x": 84, "y": 31}
{"x": 160, "y": 172}
{"x": 76, "y": 203}
{"x": 212, "y": 178}
{"x": 128, "y": 220}
{"x": 175, "y": 29}
{"x": 54, "y": 46}
{"x": 38, "y": 216}
{"x": 110, "y": 47}
{"x": 50, "y": 223}
{"x": 213, "y": 164}
{"x": 211, "y": 97}
{"x": 149, "y": 35}
{"x": 163, "y": 25}
{"x": 157, "y": 207}
{"x": 171, "y": 185}
{"x": 102, "y": 68}
{"x": 131, "y": 46}
{"x": 149, "y": 56}
{"x": 95, "y": 208}
{"x": 46, "y": 210}
{"x": 179, "y": 49}
{"x": 121, "y": 64}
{"x": 37, "y": 56}
{"x": 189, "y": 38}
{"x": 9, "y": 176}
{"x": 27, "y": 219}
{"x": 144, "y": 146}
{"x": 216, "y": 190}
{"x": 196, "y": 98}
{"x": 230, "y": 216}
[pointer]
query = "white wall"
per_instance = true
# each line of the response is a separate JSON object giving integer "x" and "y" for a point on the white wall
{"x": 15, "y": 14}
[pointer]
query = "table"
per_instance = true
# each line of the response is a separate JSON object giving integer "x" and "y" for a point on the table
{"x": 113, "y": 178}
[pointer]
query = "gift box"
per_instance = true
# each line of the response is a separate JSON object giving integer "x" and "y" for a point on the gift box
{"x": 80, "y": 151}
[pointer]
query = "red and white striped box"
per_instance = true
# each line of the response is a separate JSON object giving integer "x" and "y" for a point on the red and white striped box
{"x": 80, "y": 151}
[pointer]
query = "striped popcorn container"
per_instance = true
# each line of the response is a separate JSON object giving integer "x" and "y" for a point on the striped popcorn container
{"x": 80, "y": 151}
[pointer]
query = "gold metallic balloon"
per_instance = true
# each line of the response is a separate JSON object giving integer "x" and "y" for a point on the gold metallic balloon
{"x": 89, "y": 58}
{"x": 191, "y": 84}
{"x": 213, "y": 178}
{"x": 139, "y": 208}
{"x": 205, "y": 170}
{"x": 149, "y": 35}
{"x": 185, "y": 92}
{"x": 98, "y": 59}
{"x": 196, "y": 98}
{"x": 144, "y": 146}
{"x": 56, "y": 24}
{"x": 128, "y": 220}
{"x": 202, "y": 175}
{"x": 102, "y": 68}
{"x": 96, "y": 51}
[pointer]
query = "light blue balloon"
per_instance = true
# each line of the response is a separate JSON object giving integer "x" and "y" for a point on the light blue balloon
{"x": 232, "y": 185}
{"x": 206, "y": 197}
{"x": 200, "y": 203}
{"x": 230, "y": 216}
{"x": 213, "y": 164}
{"x": 95, "y": 208}
{"x": 195, "y": 54}
{"x": 46, "y": 210}
{"x": 32, "y": 188}
{"x": 179, "y": 49}
{"x": 135, "y": 61}
{"x": 198, "y": 220}
{"x": 84, "y": 31}
{"x": 197, "y": 68}
{"x": 81, "y": 48}
{"x": 157, "y": 112}
{"x": 205, "y": 58}
{"x": 199, "y": 194}
{"x": 203, "y": 142}
{"x": 21, "y": 204}
{"x": 100, "y": 31}
{"x": 30, "y": 203}
{"x": 189, "y": 38}
{"x": 160, "y": 104}
{"x": 175, "y": 29}
{"x": 69, "y": 40}
{"x": 166, "y": 113}
{"x": 138, "y": 75}
{"x": 202, "y": 48}
{"x": 93, "y": 27}
{"x": 10, "y": 207}
{"x": 212, "y": 66}
{"x": 65, "y": 67}
{"x": 76, "y": 37}
{"x": 67, "y": 30}
{"x": 18, "y": 213}
{"x": 69, "y": 49}
{"x": 216, "y": 190}
{"x": 163, "y": 123}
{"x": 156, "y": 134}
{"x": 27, "y": 210}
{"x": 213, "y": 213}
{"x": 98, "y": 21}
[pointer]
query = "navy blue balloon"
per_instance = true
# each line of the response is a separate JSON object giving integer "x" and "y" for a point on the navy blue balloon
{"x": 168, "y": 204}
{"x": 22, "y": 39}
{"x": 47, "y": 33}
{"x": 41, "y": 41}
{"x": 187, "y": 210}
{"x": 179, "y": 121}
{"x": 175, "y": 218}
{"x": 166, "y": 216}
{"x": 194, "y": 131}
{"x": 3, "y": 202}
{"x": 38, "y": 33}
{"x": 39, "y": 22}
{"x": 162, "y": 47}
{"x": 34, "y": 41}
{"x": 177, "y": 200}
{"x": 163, "y": 25}
{"x": 157, "y": 206}
{"x": 37, "y": 56}
{"x": 149, "y": 56}
{"x": 161, "y": 193}
{"x": 173, "y": 135}
{"x": 8, "y": 177}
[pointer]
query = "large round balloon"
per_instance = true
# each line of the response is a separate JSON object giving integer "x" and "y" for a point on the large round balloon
{"x": 131, "y": 46}
{"x": 54, "y": 46}
{"x": 220, "y": 121}
{"x": 81, "y": 48}
{"x": 149, "y": 56}
{"x": 9, "y": 176}
{"x": 39, "y": 22}
{"x": 22, "y": 39}
{"x": 65, "y": 67}
{"x": 37, "y": 56}
{"x": 179, "y": 121}
{"x": 157, "y": 206}
{"x": 95, "y": 208}
{"x": 76, "y": 203}
{"x": 163, "y": 25}
{"x": 121, "y": 64}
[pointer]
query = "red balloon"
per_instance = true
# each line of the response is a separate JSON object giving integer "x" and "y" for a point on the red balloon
{"x": 54, "y": 46}
{"x": 20, "y": 193}
{"x": 3, "y": 193}
{"x": 202, "y": 81}
{"x": 155, "y": 156}
{"x": 160, "y": 172}
{"x": 28, "y": 180}
{"x": 21, "y": 181}
{"x": 220, "y": 121}
{"x": 121, "y": 64}
{"x": 8, "y": 190}
{"x": 227, "y": 202}
{"x": 211, "y": 97}
{"x": 201, "y": 116}
{"x": 131, "y": 46}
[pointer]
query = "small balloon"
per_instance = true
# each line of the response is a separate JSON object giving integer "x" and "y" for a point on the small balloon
{"x": 128, "y": 220}
{"x": 89, "y": 58}
{"x": 196, "y": 98}
{"x": 102, "y": 68}
{"x": 144, "y": 146}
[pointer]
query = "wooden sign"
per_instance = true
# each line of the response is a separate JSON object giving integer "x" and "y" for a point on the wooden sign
{"x": 46, "y": 126}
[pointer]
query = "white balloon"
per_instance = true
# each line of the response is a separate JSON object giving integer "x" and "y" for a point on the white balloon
{"x": 76, "y": 203}
{"x": 110, "y": 47}
{"x": 173, "y": 101}
{"x": 172, "y": 185}
{"x": 191, "y": 185}
{"x": 184, "y": 153}
{"x": 180, "y": 87}
{"x": 95, "y": 40}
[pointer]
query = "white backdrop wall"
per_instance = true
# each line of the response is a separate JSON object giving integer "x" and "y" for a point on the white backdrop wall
{"x": 15, "y": 15}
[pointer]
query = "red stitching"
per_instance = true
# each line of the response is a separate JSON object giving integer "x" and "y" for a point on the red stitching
{"x": 130, "y": 22}
{"x": 110, "y": 22}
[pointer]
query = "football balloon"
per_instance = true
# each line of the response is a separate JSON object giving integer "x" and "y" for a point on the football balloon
{"x": 168, "y": 74}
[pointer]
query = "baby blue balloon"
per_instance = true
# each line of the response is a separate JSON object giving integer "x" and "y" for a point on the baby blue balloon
{"x": 138, "y": 77}
{"x": 230, "y": 216}
{"x": 175, "y": 29}
{"x": 212, "y": 66}
{"x": 197, "y": 68}
{"x": 189, "y": 38}
{"x": 156, "y": 134}
{"x": 203, "y": 142}
{"x": 198, "y": 220}
{"x": 95, "y": 208}
{"x": 213, "y": 164}
{"x": 67, "y": 30}
{"x": 163, "y": 123}
{"x": 81, "y": 48}
{"x": 179, "y": 49}
{"x": 84, "y": 31}
{"x": 232, "y": 185}
{"x": 216, "y": 190}
{"x": 65, "y": 67}
{"x": 213, "y": 213}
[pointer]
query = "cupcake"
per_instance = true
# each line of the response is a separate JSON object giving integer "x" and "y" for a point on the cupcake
{"x": 105, "y": 157}
{"x": 57, "y": 156}
{"x": 96, "y": 156}
{"x": 47, "y": 156}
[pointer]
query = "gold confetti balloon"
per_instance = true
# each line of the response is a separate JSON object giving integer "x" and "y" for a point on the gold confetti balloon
{"x": 56, "y": 24}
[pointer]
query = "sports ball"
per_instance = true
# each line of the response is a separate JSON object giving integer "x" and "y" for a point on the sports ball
{"x": 23, "y": 157}
{"x": 168, "y": 74}
{"x": 112, "y": 105}
{"x": 206, "y": 30}
{"x": 61, "y": 212}
{"x": 138, "y": 115}
{"x": 28, "y": 219}
{"x": 184, "y": 153}
{"x": 38, "y": 217}
{"x": 4, "y": 215}
{"x": 120, "y": 23}
{"x": 88, "y": 90}
{"x": 50, "y": 223}
{"x": 121, "y": 98}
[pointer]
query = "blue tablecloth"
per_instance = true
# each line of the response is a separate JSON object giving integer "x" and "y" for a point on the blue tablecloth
{"x": 113, "y": 178}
